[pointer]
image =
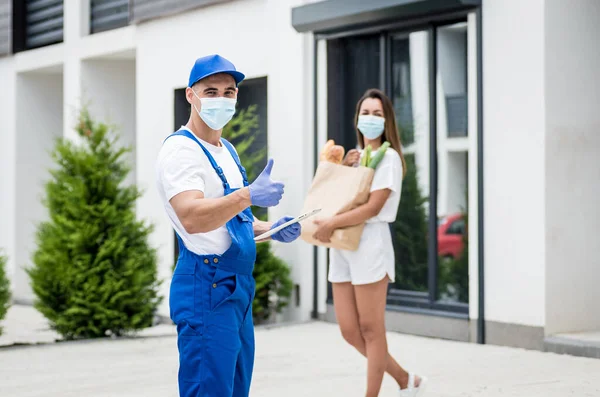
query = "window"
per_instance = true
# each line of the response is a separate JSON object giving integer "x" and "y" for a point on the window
{"x": 37, "y": 23}
{"x": 108, "y": 14}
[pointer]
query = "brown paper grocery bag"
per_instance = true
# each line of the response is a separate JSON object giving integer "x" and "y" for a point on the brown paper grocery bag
{"x": 336, "y": 189}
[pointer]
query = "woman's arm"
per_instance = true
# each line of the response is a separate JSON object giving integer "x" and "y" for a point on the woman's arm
{"x": 364, "y": 212}
{"x": 353, "y": 217}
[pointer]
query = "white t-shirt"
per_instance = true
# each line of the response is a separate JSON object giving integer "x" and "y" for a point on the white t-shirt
{"x": 388, "y": 175}
{"x": 183, "y": 166}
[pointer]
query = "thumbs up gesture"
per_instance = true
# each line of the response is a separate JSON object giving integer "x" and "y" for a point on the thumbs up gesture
{"x": 263, "y": 191}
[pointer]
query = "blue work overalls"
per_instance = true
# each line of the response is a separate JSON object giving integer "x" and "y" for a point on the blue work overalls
{"x": 211, "y": 303}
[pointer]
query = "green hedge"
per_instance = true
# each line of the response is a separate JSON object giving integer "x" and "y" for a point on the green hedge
{"x": 94, "y": 272}
{"x": 4, "y": 290}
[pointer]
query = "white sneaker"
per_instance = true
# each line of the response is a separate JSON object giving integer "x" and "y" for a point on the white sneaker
{"x": 411, "y": 390}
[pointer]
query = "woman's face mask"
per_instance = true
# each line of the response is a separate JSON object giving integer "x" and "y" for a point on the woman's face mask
{"x": 216, "y": 112}
{"x": 371, "y": 126}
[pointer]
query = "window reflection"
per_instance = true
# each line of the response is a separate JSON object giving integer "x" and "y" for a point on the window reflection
{"x": 453, "y": 168}
{"x": 410, "y": 88}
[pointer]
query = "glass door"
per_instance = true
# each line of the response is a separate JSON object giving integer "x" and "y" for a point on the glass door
{"x": 430, "y": 74}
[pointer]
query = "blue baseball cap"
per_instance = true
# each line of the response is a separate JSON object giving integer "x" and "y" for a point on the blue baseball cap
{"x": 213, "y": 64}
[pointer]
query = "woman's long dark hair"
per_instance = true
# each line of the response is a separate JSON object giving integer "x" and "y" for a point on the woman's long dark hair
{"x": 391, "y": 133}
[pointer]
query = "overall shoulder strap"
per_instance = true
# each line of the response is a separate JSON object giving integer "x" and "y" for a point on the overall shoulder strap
{"x": 236, "y": 158}
{"x": 213, "y": 163}
{"x": 176, "y": 133}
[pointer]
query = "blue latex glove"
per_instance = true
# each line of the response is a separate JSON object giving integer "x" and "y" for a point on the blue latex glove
{"x": 287, "y": 234}
{"x": 263, "y": 191}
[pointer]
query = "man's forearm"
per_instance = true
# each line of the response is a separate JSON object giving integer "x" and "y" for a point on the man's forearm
{"x": 261, "y": 227}
{"x": 210, "y": 214}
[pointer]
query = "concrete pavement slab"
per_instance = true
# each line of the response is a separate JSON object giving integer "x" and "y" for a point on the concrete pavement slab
{"x": 25, "y": 325}
{"x": 300, "y": 360}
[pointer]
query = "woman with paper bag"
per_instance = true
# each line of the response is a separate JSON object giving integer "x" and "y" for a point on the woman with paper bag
{"x": 365, "y": 206}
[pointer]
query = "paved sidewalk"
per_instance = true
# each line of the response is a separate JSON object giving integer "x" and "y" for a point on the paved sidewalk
{"x": 300, "y": 360}
{"x": 24, "y": 325}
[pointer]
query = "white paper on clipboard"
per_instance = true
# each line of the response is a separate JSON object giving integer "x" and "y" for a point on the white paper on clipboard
{"x": 288, "y": 223}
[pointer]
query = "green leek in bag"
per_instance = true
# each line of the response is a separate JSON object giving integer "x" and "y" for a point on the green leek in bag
{"x": 367, "y": 155}
{"x": 379, "y": 156}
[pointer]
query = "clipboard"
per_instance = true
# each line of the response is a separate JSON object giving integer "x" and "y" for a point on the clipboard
{"x": 288, "y": 223}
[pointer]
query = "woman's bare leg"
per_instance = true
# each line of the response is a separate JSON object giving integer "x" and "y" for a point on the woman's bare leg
{"x": 344, "y": 300}
{"x": 370, "y": 302}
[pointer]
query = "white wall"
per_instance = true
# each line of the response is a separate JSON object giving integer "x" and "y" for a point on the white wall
{"x": 7, "y": 164}
{"x": 256, "y": 52}
{"x": 572, "y": 165}
{"x": 289, "y": 84}
{"x": 76, "y": 27}
{"x": 39, "y": 121}
{"x": 514, "y": 133}
{"x": 108, "y": 86}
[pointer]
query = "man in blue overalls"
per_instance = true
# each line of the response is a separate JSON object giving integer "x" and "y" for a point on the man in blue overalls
{"x": 207, "y": 198}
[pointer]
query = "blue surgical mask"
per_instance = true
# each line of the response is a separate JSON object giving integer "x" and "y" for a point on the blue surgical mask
{"x": 216, "y": 112}
{"x": 371, "y": 126}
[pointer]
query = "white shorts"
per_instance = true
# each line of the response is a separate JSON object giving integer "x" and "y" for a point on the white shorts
{"x": 370, "y": 263}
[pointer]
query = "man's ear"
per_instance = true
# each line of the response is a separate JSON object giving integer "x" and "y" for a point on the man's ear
{"x": 189, "y": 95}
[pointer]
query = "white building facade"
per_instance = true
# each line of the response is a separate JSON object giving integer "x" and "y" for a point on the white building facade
{"x": 495, "y": 100}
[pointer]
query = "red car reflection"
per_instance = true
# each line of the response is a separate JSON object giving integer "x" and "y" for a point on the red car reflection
{"x": 451, "y": 230}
